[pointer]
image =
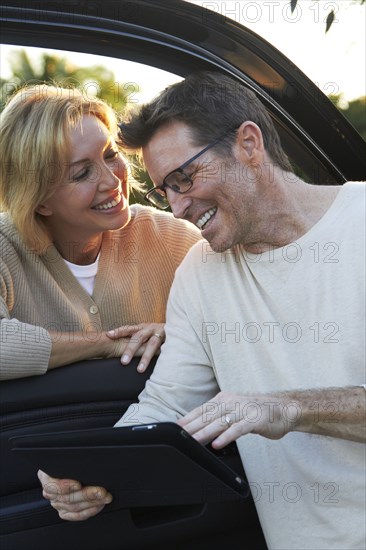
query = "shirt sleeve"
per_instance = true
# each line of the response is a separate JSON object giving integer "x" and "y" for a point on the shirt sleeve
{"x": 24, "y": 349}
{"x": 183, "y": 377}
{"x": 178, "y": 235}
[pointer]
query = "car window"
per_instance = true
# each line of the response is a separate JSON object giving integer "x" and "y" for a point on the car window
{"x": 137, "y": 82}
{"x": 122, "y": 83}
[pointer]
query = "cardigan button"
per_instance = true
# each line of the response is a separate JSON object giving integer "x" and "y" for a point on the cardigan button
{"x": 93, "y": 309}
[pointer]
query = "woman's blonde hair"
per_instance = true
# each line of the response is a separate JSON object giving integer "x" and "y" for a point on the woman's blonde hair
{"x": 35, "y": 130}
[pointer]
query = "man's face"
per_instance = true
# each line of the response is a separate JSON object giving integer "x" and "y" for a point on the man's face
{"x": 222, "y": 198}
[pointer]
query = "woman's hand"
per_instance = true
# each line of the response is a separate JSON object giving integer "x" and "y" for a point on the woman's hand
{"x": 144, "y": 339}
{"x": 72, "y": 501}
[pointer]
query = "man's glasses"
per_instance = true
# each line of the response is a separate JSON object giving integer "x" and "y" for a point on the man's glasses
{"x": 177, "y": 180}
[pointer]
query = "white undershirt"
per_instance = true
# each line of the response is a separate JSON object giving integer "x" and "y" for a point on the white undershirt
{"x": 85, "y": 274}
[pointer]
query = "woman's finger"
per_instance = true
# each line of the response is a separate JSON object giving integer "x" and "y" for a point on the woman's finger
{"x": 124, "y": 332}
{"x": 152, "y": 348}
{"x": 54, "y": 486}
{"x": 82, "y": 515}
{"x": 147, "y": 343}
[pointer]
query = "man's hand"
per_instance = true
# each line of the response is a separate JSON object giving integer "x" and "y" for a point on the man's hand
{"x": 72, "y": 501}
{"x": 333, "y": 412}
{"x": 228, "y": 416}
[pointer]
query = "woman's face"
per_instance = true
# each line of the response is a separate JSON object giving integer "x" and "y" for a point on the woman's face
{"x": 93, "y": 194}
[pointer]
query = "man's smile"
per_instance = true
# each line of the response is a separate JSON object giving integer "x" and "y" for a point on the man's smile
{"x": 202, "y": 221}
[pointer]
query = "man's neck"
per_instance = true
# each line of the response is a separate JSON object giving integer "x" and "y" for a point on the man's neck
{"x": 294, "y": 209}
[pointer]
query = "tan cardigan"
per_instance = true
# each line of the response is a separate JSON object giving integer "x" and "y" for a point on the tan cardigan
{"x": 37, "y": 294}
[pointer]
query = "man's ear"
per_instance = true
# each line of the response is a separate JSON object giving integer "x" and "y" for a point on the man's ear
{"x": 250, "y": 142}
{"x": 44, "y": 210}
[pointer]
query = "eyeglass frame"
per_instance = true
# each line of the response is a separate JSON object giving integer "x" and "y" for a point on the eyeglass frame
{"x": 180, "y": 169}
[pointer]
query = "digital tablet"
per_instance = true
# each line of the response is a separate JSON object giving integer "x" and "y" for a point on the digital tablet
{"x": 142, "y": 465}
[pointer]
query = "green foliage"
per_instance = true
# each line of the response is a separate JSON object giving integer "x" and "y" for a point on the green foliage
{"x": 355, "y": 112}
{"x": 92, "y": 80}
{"x": 329, "y": 20}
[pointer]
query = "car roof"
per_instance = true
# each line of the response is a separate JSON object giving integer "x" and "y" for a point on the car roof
{"x": 181, "y": 37}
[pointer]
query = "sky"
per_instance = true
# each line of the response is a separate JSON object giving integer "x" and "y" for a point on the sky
{"x": 335, "y": 61}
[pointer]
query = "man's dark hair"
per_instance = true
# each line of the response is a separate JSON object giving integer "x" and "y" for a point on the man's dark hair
{"x": 209, "y": 103}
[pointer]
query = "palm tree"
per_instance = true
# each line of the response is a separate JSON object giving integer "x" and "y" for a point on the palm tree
{"x": 94, "y": 80}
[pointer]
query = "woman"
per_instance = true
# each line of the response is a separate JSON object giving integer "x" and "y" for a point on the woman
{"x": 82, "y": 274}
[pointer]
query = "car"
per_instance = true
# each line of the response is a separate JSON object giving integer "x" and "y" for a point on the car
{"x": 178, "y": 37}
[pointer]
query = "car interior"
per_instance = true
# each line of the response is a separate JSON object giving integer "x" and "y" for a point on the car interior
{"x": 85, "y": 395}
{"x": 177, "y": 37}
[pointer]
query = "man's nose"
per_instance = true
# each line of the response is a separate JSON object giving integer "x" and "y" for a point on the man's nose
{"x": 179, "y": 203}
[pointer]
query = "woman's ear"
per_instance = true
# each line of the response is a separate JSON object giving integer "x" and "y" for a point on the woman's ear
{"x": 250, "y": 141}
{"x": 44, "y": 210}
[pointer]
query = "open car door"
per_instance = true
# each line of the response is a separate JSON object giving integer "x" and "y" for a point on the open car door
{"x": 178, "y": 37}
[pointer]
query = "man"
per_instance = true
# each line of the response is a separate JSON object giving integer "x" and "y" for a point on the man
{"x": 265, "y": 324}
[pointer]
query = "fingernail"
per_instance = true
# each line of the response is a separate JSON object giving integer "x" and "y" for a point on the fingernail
{"x": 141, "y": 367}
{"x": 111, "y": 332}
{"x": 125, "y": 359}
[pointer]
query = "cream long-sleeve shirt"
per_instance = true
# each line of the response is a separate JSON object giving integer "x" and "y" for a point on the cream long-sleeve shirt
{"x": 39, "y": 294}
{"x": 289, "y": 319}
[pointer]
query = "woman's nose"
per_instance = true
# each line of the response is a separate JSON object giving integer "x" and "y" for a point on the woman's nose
{"x": 109, "y": 176}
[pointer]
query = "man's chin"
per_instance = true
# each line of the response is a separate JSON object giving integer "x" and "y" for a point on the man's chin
{"x": 220, "y": 247}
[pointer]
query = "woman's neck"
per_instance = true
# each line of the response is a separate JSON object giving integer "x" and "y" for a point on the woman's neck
{"x": 80, "y": 253}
